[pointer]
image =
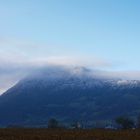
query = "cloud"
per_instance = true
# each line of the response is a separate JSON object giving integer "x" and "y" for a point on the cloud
{"x": 72, "y": 61}
{"x": 14, "y": 65}
{"x": 14, "y": 68}
{"x": 127, "y": 75}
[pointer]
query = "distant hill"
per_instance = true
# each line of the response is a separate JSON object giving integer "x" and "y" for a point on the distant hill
{"x": 69, "y": 95}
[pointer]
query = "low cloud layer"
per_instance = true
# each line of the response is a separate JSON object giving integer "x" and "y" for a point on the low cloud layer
{"x": 15, "y": 65}
{"x": 13, "y": 69}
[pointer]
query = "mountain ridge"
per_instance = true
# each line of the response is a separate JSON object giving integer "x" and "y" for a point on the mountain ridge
{"x": 68, "y": 95}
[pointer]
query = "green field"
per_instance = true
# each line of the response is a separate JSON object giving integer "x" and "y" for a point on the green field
{"x": 48, "y": 134}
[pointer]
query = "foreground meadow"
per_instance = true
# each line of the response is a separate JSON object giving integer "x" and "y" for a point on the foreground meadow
{"x": 48, "y": 134}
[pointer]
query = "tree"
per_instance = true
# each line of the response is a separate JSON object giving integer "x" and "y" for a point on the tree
{"x": 125, "y": 123}
{"x": 53, "y": 123}
{"x": 138, "y": 122}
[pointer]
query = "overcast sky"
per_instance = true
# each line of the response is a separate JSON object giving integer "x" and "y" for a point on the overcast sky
{"x": 102, "y": 34}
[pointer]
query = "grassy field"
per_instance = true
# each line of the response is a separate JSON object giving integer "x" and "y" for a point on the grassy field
{"x": 46, "y": 134}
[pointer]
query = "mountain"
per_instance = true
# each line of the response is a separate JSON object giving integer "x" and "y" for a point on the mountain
{"x": 68, "y": 94}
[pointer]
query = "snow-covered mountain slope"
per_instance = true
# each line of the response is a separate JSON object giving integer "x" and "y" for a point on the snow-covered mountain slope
{"x": 68, "y": 94}
{"x": 77, "y": 76}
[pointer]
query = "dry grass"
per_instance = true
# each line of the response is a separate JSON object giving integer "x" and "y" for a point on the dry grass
{"x": 46, "y": 134}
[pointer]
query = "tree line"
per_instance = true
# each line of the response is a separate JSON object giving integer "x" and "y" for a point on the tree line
{"x": 121, "y": 123}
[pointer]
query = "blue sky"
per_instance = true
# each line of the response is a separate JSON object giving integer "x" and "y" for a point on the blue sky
{"x": 103, "y": 34}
